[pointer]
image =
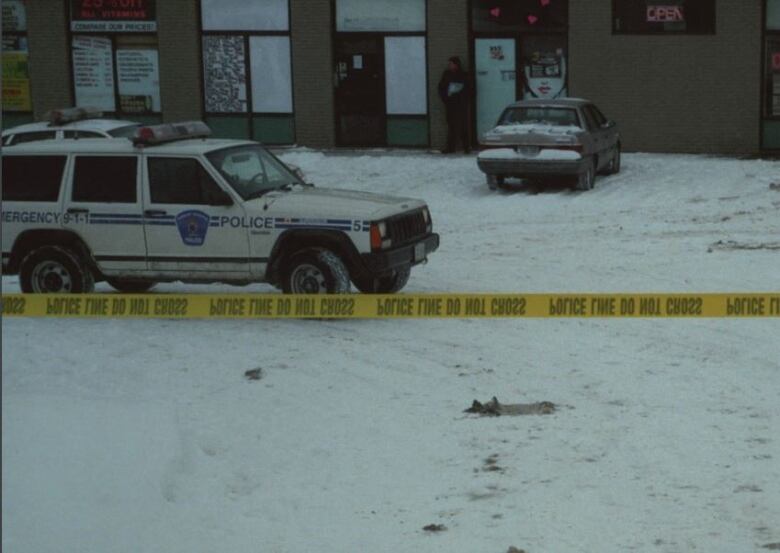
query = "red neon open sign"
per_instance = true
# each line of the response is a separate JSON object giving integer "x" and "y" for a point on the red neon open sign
{"x": 664, "y": 14}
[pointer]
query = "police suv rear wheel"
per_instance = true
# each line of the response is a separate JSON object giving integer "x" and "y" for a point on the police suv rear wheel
{"x": 130, "y": 286}
{"x": 315, "y": 272}
{"x": 389, "y": 284}
{"x": 55, "y": 270}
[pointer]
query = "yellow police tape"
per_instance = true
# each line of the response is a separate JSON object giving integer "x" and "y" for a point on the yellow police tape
{"x": 412, "y": 306}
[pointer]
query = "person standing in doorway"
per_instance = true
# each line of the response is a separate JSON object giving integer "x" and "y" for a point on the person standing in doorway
{"x": 454, "y": 92}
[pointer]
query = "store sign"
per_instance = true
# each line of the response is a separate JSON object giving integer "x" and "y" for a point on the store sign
{"x": 665, "y": 14}
{"x": 113, "y": 16}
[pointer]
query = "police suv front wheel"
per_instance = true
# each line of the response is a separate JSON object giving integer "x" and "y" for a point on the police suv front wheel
{"x": 315, "y": 272}
{"x": 55, "y": 270}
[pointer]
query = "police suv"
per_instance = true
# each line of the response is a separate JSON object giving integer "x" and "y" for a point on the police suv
{"x": 175, "y": 205}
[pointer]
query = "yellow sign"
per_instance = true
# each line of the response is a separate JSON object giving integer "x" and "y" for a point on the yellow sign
{"x": 398, "y": 306}
{"x": 16, "y": 82}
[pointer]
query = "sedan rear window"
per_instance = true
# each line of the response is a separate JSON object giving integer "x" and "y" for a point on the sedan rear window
{"x": 540, "y": 115}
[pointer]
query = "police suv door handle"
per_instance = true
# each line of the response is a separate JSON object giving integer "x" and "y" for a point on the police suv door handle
{"x": 77, "y": 211}
{"x": 155, "y": 213}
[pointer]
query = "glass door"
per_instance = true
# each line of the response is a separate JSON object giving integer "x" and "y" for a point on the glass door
{"x": 360, "y": 90}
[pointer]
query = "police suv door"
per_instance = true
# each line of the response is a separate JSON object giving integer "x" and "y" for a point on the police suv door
{"x": 194, "y": 228}
{"x": 103, "y": 206}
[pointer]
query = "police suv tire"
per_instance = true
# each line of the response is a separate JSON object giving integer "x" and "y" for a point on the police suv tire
{"x": 389, "y": 284}
{"x": 587, "y": 179}
{"x": 315, "y": 271}
{"x": 55, "y": 269}
{"x": 131, "y": 286}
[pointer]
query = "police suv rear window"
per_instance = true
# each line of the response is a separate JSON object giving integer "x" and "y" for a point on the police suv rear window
{"x": 108, "y": 179}
{"x": 32, "y": 178}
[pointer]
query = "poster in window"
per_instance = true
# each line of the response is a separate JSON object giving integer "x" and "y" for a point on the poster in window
{"x": 544, "y": 69}
{"x": 14, "y": 16}
{"x": 271, "y": 74}
{"x": 245, "y": 15}
{"x": 224, "y": 73}
{"x": 113, "y": 16}
{"x": 93, "y": 72}
{"x": 138, "y": 76}
{"x": 16, "y": 77}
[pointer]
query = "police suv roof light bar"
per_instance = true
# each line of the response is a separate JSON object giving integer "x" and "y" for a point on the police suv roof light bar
{"x": 170, "y": 132}
{"x": 71, "y": 115}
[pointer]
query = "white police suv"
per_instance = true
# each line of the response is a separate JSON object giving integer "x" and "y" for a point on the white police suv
{"x": 174, "y": 205}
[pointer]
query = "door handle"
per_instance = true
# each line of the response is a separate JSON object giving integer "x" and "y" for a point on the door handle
{"x": 155, "y": 212}
{"x": 77, "y": 211}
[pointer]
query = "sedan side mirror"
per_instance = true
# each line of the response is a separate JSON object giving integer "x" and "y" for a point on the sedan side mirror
{"x": 608, "y": 125}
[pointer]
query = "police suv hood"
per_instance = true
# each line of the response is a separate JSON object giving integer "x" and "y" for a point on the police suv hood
{"x": 337, "y": 203}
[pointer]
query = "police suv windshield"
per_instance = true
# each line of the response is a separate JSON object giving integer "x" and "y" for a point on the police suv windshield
{"x": 252, "y": 170}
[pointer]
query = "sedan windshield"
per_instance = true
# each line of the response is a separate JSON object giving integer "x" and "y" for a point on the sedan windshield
{"x": 252, "y": 170}
{"x": 540, "y": 115}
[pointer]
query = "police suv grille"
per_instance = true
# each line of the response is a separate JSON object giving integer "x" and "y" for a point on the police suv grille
{"x": 406, "y": 228}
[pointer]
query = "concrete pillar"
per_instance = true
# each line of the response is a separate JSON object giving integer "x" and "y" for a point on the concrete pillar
{"x": 178, "y": 35}
{"x": 448, "y": 35}
{"x": 312, "y": 60}
{"x": 49, "y": 60}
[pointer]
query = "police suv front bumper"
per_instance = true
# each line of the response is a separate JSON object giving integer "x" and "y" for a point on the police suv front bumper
{"x": 403, "y": 256}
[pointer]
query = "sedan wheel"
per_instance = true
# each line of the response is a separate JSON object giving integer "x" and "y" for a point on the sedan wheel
{"x": 586, "y": 179}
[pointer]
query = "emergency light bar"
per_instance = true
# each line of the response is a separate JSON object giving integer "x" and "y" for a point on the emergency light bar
{"x": 71, "y": 115}
{"x": 169, "y": 132}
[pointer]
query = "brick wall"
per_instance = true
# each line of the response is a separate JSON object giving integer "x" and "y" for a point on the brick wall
{"x": 312, "y": 55}
{"x": 178, "y": 35}
{"x": 448, "y": 35}
{"x": 49, "y": 61}
{"x": 684, "y": 93}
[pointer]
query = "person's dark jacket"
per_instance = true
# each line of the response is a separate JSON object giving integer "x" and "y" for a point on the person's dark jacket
{"x": 454, "y": 99}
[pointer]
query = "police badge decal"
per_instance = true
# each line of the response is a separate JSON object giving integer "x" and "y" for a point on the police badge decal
{"x": 193, "y": 226}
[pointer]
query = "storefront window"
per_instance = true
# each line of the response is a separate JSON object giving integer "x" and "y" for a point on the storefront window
{"x": 667, "y": 16}
{"x": 116, "y": 69}
{"x": 519, "y": 15}
{"x": 773, "y": 15}
{"x": 380, "y": 15}
{"x": 17, "y": 106}
{"x": 247, "y": 69}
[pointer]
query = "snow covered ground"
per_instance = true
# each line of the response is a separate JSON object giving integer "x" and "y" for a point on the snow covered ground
{"x": 136, "y": 435}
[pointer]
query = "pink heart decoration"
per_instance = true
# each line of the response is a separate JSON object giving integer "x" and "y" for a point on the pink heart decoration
{"x": 545, "y": 2}
{"x": 495, "y": 12}
{"x": 532, "y": 19}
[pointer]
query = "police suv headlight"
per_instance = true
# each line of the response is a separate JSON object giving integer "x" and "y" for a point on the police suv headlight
{"x": 427, "y": 218}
